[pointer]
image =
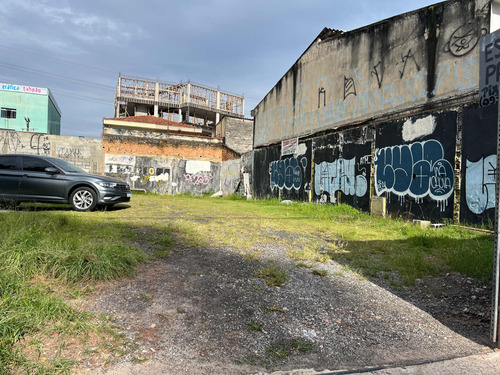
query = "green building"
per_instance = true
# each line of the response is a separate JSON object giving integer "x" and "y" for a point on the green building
{"x": 28, "y": 108}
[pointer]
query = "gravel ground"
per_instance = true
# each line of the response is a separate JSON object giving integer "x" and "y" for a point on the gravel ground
{"x": 204, "y": 311}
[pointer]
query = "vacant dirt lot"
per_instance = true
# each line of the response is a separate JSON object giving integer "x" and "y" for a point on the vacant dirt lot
{"x": 205, "y": 311}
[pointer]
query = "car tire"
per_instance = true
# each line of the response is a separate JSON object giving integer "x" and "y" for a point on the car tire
{"x": 83, "y": 199}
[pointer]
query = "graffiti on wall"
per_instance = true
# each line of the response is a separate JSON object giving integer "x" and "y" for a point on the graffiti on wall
{"x": 69, "y": 153}
{"x": 151, "y": 174}
{"x": 287, "y": 173}
{"x": 10, "y": 140}
{"x": 340, "y": 175}
{"x": 40, "y": 143}
{"x": 360, "y": 96}
{"x": 480, "y": 178}
{"x": 137, "y": 170}
{"x": 416, "y": 170}
{"x": 198, "y": 172}
{"x": 199, "y": 178}
{"x": 364, "y": 88}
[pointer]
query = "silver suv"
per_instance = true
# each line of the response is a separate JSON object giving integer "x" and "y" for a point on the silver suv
{"x": 33, "y": 178}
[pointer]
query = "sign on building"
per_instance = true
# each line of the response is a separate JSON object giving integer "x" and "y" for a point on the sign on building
{"x": 289, "y": 146}
{"x": 23, "y": 89}
{"x": 489, "y": 68}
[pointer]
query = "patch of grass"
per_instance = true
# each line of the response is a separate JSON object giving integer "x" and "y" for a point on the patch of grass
{"x": 146, "y": 297}
{"x": 42, "y": 254}
{"x": 276, "y": 308}
{"x": 321, "y": 273}
{"x": 272, "y": 275}
{"x": 139, "y": 360}
{"x": 208, "y": 193}
{"x": 255, "y": 326}
{"x": 308, "y": 253}
{"x": 48, "y": 255}
{"x": 251, "y": 256}
{"x": 235, "y": 197}
{"x": 284, "y": 348}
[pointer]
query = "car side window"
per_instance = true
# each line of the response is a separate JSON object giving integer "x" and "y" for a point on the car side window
{"x": 8, "y": 162}
{"x": 35, "y": 164}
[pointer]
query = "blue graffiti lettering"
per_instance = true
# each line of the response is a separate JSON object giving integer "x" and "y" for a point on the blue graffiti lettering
{"x": 287, "y": 173}
{"x": 480, "y": 178}
{"x": 339, "y": 175}
{"x": 416, "y": 170}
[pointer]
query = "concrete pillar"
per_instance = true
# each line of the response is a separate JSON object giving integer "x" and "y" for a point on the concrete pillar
{"x": 243, "y": 105}
{"x": 118, "y": 93}
{"x": 217, "y": 107}
{"x": 180, "y": 115}
{"x": 157, "y": 98}
{"x": 188, "y": 99}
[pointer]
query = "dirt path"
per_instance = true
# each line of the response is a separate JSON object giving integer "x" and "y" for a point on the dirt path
{"x": 204, "y": 311}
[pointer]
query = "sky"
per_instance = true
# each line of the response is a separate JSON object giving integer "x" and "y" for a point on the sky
{"x": 78, "y": 48}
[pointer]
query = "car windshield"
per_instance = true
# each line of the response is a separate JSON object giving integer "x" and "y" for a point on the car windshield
{"x": 67, "y": 167}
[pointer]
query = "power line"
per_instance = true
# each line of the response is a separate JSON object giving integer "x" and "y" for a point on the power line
{"x": 53, "y": 58}
{"x": 83, "y": 97}
{"x": 57, "y": 76}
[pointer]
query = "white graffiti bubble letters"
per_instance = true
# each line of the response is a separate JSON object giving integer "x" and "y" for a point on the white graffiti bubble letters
{"x": 339, "y": 175}
{"x": 416, "y": 170}
{"x": 287, "y": 173}
{"x": 480, "y": 179}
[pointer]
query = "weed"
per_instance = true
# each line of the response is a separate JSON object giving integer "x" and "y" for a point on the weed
{"x": 208, "y": 193}
{"x": 251, "y": 256}
{"x": 284, "y": 348}
{"x": 257, "y": 287}
{"x": 321, "y": 273}
{"x": 308, "y": 254}
{"x": 255, "y": 326}
{"x": 275, "y": 308}
{"x": 139, "y": 360}
{"x": 146, "y": 297}
{"x": 303, "y": 265}
{"x": 272, "y": 275}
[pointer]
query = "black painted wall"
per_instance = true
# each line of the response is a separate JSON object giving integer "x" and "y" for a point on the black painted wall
{"x": 479, "y": 132}
{"x": 417, "y": 175}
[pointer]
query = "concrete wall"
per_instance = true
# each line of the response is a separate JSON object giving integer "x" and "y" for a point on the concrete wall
{"x": 237, "y": 133}
{"x": 165, "y": 164}
{"x": 392, "y": 68}
{"x": 165, "y": 175}
{"x": 86, "y": 153}
{"x": 433, "y": 166}
{"x": 231, "y": 176}
{"x": 389, "y": 110}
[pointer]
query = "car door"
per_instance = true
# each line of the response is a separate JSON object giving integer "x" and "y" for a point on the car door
{"x": 10, "y": 175}
{"x": 39, "y": 185}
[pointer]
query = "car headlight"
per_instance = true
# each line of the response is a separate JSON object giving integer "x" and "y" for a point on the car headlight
{"x": 105, "y": 184}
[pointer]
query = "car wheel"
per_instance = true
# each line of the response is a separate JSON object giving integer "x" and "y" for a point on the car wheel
{"x": 83, "y": 199}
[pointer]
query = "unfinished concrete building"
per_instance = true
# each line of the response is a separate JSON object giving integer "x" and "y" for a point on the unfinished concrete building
{"x": 182, "y": 102}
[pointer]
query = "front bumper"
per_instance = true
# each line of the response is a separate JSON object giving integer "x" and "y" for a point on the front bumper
{"x": 112, "y": 196}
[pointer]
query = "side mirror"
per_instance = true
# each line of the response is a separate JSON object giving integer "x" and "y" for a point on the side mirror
{"x": 51, "y": 170}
